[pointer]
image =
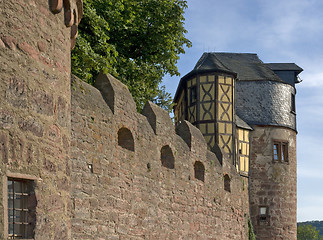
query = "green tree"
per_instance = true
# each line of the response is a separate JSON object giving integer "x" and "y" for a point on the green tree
{"x": 137, "y": 41}
{"x": 251, "y": 234}
{"x": 307, "y": 232}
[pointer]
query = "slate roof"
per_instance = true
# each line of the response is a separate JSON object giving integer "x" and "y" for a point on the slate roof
{"x": 242, "y": 124}
{"x": 284, "y": 67}
{"x": 247, "y": 66}
{"x": 244, "y": 66}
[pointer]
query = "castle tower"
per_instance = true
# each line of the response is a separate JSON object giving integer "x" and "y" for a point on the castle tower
{"x": 35, "y": 97}
{"x": 205, "y": 97}
{"x": 268, "y": 105}
{"x": 246, "y": 111}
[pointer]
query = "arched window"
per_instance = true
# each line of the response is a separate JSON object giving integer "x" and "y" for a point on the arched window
{"x": 199, "y": 171}
{"x": 125, "y": 139}
{"x": 227, "y": 181}
{"x": 167, "y": 157}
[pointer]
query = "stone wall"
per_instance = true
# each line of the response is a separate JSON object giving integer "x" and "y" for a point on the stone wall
{"x": 273, "y": 184}
{"x": 133, "y": 175}
{"x": 100, "y": 170}
{"x": 35, "y": 111}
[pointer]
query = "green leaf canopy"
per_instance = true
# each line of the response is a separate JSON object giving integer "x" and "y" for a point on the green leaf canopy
{"x": 136, "y": 41}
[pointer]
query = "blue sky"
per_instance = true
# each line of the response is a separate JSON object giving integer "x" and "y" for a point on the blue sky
{"x": 278, "y": 31}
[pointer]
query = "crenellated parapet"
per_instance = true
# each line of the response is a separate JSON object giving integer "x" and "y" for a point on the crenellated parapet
{"x": 138, "y": 176}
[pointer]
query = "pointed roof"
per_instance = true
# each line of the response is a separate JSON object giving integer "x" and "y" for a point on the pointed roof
{"x": 246, "y": 66}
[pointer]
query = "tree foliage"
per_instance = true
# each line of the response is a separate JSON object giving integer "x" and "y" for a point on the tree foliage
{"x": 251, "y": 234}
{"x": 137, "y": 41}
{"x": 307, "y": 232}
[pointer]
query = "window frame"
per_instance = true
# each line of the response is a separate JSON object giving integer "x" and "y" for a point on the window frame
{"x": 193, "y": 92}
{"x": 280, "y": 151}
{"x": 30, "y": 179}
{"x": 263, "y": 218}
{"x": 293, "y": 103}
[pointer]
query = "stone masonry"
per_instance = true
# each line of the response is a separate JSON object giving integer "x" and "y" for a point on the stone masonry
{"x": 100, "y": 170}
{"x": 273, "y": 184}
{"x": 35, "y": 111}
{"x": 123, "y": 194}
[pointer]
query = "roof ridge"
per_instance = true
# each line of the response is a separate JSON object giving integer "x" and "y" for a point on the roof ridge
{"x": 223, "y": 64}
{"x": 203, "y": 59}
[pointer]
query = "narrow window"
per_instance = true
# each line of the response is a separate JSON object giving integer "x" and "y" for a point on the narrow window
{"x": 293, "y": 105}
{"x": 263, "y": 213}
{"x": 167, "y": 157}
{"x": 285, "y": 152}
{"x": 21, "y": 209}
{"x": 199, "y": 171}
{"x": 280, "y": 151}
{"x": 276, "y": 149}
{"x": 125, "y": 139}
{"x": 193, "y": 94}
{"x": 227, "y": 180}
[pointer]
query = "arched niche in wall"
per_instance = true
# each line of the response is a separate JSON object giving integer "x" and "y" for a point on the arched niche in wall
{"x": 227, "y": 183}
{"x": 199, "y": 171}
{"x": 125, "y": 139}
{"x": 167, "y": 157}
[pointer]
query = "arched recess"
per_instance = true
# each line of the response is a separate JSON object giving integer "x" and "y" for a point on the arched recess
{"x": 227, "y": 183}
{"x": 125, "y": 139}
{"x": 167, "y": 157}
{"x": 199, "y": 171}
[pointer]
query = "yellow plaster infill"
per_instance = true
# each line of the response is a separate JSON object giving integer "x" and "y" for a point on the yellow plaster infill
{"x": 193, "y": 81}
{"x": 202, "y": 128}
{"x": 242, "y": 163}
{"x": 240, "y": 133}
{"x": 246, "y": 136}
{"x": 247, "y": 164}
{"x": 203, "y": 79}
{"x": 210, "y": 128}
{"x": 205, "y": 90}
{"x": 189, "y": 83}
{"x": 228, "y": 80}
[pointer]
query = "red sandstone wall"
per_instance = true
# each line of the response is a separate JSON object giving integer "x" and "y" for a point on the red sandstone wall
{"x": 123, "y": 194}
{"x": 35, "y": 110}
{"x": 273, "y": 184}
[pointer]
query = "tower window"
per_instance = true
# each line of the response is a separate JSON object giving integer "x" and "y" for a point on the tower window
{"x": 193, "y": 94}
{"x": 293, "y": 105}
{"x": 21, "y": 209}
{"x": 263, "y": 213}
{"x": 280, "y": 151}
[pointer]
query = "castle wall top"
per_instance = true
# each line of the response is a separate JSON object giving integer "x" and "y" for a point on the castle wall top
{"x": 156, "y": 183}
